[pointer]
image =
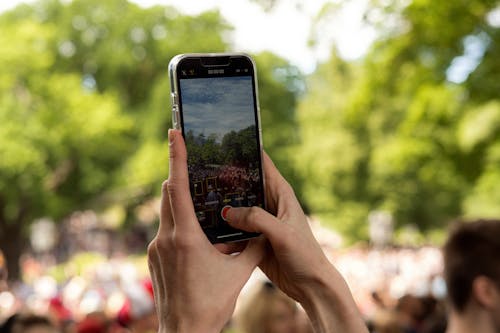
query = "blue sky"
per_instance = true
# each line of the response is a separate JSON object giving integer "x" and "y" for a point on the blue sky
{"x": 214, "y": 105}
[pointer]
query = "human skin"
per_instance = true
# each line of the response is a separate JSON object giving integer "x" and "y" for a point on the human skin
{"x": 294, "y": 261}
{"x": 196, "y": 284}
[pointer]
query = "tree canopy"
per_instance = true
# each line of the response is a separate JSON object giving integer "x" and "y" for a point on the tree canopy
{"x": 412, "y": 128}
{"x": 85, "y": 105}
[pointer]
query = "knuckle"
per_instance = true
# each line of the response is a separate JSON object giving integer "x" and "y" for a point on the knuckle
{"x": 161, "y": 245}
{"x": 173, "y": 187}
{"x": 253, "y": 213}
{"x": 172, "y": 152}
{"x": 164, "y": 187}
{"x": 152, "y": 257}
{"x": 152, "y": 248}
{"x": 184, "y": 242}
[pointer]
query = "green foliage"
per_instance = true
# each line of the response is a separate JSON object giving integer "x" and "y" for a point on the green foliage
{"x": 56, "y": 139}
{"x": 85, "y": 102}
{"x": 483, "y": 200}
{"x": 85, "y": 109}
{"x": 479, "y": 126}
{"x": 233, "y": 147}
{"x": 330, "y": 156}
{"x": 280, "y": 86}
{"x": 390, "y": 132}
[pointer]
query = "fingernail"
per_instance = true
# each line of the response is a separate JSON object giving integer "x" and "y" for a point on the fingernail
{"x": 171, "y": 136}
{"x": 224, "y": 212}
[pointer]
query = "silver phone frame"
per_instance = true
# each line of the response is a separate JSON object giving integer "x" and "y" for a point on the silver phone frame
{"x": 176, "y": 119}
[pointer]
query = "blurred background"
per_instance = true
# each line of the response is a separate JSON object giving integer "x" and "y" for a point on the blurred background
{"x": 384, "y": 115}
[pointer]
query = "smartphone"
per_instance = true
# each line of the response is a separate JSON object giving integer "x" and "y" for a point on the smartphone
{"x": 215, "y": 105}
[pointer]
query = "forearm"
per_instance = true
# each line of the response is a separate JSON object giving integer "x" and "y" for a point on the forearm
{"x": 330, "y": 306}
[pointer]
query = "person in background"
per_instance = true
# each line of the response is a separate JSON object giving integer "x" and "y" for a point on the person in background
{"x": 28, "y": 323}
{"x": 386, "y": 321}
{"x": 196, "y": 284}
{"x": 472, "y": 274}
{"x": 269, "y": 310}
{"x": 410, "y": 311}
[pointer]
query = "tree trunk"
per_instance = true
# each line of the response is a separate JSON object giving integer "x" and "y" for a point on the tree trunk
{"x": 12, "y": 243}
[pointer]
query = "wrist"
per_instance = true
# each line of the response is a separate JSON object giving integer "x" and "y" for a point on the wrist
{"x": 326, "y": 286}
{"x": 330, "y": 305}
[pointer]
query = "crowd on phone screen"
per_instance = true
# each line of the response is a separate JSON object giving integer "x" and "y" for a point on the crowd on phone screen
{"x": 221, "y": 185}
{"x": 396, "y": 289}
{"x": 227, "y": 176}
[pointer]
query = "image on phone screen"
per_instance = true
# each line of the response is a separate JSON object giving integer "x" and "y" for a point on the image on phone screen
{"x": 220, "y": 126}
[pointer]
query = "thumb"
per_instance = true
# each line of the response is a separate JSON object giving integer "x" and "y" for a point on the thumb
{"x": 255, "y": 219}
{"x": 253, "y": 253}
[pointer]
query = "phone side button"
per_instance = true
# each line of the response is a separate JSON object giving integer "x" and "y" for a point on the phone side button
{"x": 174, "y": 98}
{"x": 175, "y": 114}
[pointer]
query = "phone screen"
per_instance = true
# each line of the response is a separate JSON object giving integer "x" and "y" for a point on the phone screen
{"x": 219, "y": 118}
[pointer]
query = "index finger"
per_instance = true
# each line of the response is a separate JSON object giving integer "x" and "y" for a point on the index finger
{"x": 279, "y": 194}
{"x": 166, "y": 221}
{"x": 181, "y": 203}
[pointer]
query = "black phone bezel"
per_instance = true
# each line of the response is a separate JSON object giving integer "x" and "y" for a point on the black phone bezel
{"x": 213, "y": 66}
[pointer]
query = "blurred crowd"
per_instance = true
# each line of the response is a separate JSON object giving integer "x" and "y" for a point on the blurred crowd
{"x": 109, "y": 296}
{"x": 398, "y": 290}
{"x": 394, "y": 287}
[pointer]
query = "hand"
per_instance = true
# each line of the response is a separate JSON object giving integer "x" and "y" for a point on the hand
{"x": 294, "y": 256}
{"x": 294, "y": 261}
{"x": 195, "y": 284}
